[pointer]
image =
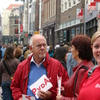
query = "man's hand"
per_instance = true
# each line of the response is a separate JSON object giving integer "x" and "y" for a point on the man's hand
{"x": 58, "y": 97}
{"x": 44, "y": 95}
{"x": 20, "y": 99}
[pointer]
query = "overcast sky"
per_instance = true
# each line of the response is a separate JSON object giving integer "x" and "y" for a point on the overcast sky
{"x": 5, "y": 3}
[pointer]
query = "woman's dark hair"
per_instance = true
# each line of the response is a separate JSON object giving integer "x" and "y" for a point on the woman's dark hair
{"x": 9, "y": 53}
{"x": 82, "y": 43}
{"x": 60, "y": 53}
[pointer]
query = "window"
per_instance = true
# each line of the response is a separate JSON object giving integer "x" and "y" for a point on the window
{"x": 74, "y": 2}
{"x": 16, "y": 30}
{"x": 62, "y": 6}
{"x": 50, "y": 9}
{"x": 69, "y": 3}
{"x": 77, "y": 30}
{"x": 86, "y": 1}
{"x": 64, "y": 35}
{"x": 16, "y": 21}
{"x": 42, "y": 5}
{"x": 61, "y": 1}
{"x": 54, "y": 7}
{"x": 72, "y": 33}
{"x": 65, "y": 4}
{"x": 79, "y": 0}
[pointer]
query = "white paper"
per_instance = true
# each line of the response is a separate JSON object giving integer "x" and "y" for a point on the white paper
{"x": 59, "y": 84}
{"x": 27, "y": 97}
{"x": 42, "y": 83}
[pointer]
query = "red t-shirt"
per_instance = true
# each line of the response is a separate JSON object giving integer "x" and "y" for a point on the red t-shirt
{"x": 90, "y": 89}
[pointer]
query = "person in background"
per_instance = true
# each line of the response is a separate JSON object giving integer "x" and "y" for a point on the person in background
{"x": 31, "y": 69}
{"x": 27, "y": 52}
{"x": 0, "y": 53}
{"x": 18, "y": 54}
{"x": 5, "y": 79}
{"x": 51, "y": 51}
{"x": 3, "y": 49}
{"x": 61, "y": 55}
{"x": 62, "y": 44}
{"x": 70, "y": 63}
{"x": 66, "y": 46}
{"x": 82, "y": 53}
{"x": 56, "y": 46}
{"x": 48, "y": 47}
{"x": 90, "y": 87}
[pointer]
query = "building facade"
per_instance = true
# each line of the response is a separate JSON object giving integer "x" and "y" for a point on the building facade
{"x": 49, "y": 20}
{"x": 10, "y": 24}
{"x": 69, "y": 25}
{"x": 0, "y": 29}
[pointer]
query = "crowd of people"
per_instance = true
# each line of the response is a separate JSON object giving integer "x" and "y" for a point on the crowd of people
{"x": 21, "y": 67}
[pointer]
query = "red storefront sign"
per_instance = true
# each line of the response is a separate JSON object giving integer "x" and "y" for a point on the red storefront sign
{"x": 21, "y": 28}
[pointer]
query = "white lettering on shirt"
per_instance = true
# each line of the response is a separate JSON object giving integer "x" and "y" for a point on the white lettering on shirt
{"x": 97, "y": 85}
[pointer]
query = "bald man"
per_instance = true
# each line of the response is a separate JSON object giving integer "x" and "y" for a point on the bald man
{"x": 33, "y": 68}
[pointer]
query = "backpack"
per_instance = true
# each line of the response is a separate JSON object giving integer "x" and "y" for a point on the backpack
{"x": 91, "y": 71}
{"x": 82, "y": 67}
{"x": 72, "y": 82}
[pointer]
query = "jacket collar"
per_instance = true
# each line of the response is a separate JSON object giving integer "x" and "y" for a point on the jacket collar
{"x": 45, "y": 63}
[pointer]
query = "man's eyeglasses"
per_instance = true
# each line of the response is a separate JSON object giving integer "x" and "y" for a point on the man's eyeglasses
{"x": 40, "y": 45}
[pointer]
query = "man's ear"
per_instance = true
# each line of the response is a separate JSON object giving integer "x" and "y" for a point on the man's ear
{"x": 30, "y": 48}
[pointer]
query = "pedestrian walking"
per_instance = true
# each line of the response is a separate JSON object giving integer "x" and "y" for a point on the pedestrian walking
{"x": 18, "y": 54}
{"x": 61, "y": 55}
{"x": 7, "y": 69}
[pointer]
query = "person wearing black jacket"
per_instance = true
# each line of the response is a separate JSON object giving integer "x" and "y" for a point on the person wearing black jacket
{"x": 61, "y": 55}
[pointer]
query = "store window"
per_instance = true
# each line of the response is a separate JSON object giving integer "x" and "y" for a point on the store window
{"x": 64, "y": 35}
{"x": 82, "y": 31}
{"x": 72, "y": 33}
{"x": 16, "y": 21}
{"x": 77, "y": 30}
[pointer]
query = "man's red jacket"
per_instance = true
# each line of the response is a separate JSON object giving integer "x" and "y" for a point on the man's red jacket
{"x": 20, "y": 79}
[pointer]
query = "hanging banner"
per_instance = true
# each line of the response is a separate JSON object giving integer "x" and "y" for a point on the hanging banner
{"x": 96, "y": 0}
{"x": 21, "y": 28}
{"x": 79, "y": 13}
{"x": 92, "y": 6}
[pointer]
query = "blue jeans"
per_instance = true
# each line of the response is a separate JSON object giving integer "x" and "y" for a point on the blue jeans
{"x": 6, "y": 92}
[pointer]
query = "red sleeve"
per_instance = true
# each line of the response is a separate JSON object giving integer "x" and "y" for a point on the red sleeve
{"x": 68, "y": 98}
{"x": 63, "y": 73}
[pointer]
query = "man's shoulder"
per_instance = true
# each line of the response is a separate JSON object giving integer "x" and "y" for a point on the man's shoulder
{"x": 24, "y": 63}
{"x": 53, "y": 60}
